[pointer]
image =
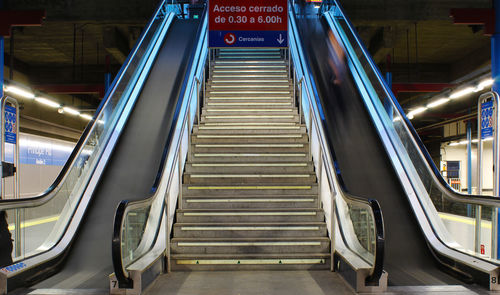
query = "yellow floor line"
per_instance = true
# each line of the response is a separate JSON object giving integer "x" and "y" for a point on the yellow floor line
{"x": 34, "y": 222}
{"x": 466, "y": 220}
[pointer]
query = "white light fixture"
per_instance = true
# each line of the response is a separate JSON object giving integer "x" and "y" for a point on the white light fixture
{"x": 464, "y": 142}
{"x": 488, "y": 139}
{"x": 87, "y": 117}
{"x": 462, "y": 92}
{"x": 454, "y": 144}
{"x": 19, "y": 91}
{"x": 71, "y": 111}
{"x": 484, "y": 84}
{"x": 438, "y": 102}
{"x": 47, "y": 102}
{"x": 416, "y": 111}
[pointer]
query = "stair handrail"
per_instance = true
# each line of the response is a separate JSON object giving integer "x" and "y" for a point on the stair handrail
{"x": 172, "y": 155}
{"x": 301, "y": 73}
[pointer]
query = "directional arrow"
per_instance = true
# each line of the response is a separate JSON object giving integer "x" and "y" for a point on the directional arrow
{"x": 280, "y": 40}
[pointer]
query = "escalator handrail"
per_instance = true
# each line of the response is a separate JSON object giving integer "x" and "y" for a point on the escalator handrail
{"x": 370, "y": 205}
{"x": 431, "y": 167}
{"x": 474, "y": 261}
{"x": 51, "y": 192}
{"x": 125, "y": 206}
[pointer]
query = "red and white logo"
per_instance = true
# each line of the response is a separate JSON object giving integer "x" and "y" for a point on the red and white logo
{"x": 229, "y": 38}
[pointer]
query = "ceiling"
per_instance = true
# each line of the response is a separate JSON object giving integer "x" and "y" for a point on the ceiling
{"x": 77, "y": 37}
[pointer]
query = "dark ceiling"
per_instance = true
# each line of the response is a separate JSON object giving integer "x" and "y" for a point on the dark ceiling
{"x": 76, "y": 38}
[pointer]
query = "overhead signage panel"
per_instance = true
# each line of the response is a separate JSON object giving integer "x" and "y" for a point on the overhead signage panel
{"x": 243, "y": 23}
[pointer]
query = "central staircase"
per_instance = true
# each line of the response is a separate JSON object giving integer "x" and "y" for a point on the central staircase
{"x": 250, "y": 195}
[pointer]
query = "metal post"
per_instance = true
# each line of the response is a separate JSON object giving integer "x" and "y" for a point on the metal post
{"x": 198, "y": 83}
{"x": 179, "y": 167}
{"x": 332, "y": 224}
{"x": 469, "y": 165}
{"x": 300, "y": 100}
{"x": 320, "y": 173}
{"x": 16, "y": 185}
{"x": 494, "y": 98}
{"x": 167, "y": 233}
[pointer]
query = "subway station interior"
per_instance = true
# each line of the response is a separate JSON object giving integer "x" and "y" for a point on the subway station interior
{"x": 249, "y": 147}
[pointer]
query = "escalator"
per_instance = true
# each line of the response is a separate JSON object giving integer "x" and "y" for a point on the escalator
{"x": 365, "y": 168}
{"x": 379, "y": 155}
{"x": 118, "y": 157}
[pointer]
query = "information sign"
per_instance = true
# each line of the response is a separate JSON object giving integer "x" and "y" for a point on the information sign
{"x": 10, "y": 124}
{"x": 487, "y": 119}
{"x": 243, "y": 23}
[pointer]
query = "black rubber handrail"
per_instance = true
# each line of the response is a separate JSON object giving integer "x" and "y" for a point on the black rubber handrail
{"x": 378, "y": 265}
{"x": 123, "y": 280}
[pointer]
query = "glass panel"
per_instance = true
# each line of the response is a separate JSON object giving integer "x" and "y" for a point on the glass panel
{"x": 42, "y": 227}
{"x": 358, "y": 228}
{"x": 455, "y": 222}
{"x": 132, "y": 233}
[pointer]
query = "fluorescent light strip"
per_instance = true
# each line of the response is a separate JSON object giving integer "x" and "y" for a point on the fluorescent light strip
{"x": 438, "y": 102}
{"x": 457, "y": 94}
{"x": 47, "y": 102}
{"x": 71, "y": 111}
{"x": 19, "y": 91}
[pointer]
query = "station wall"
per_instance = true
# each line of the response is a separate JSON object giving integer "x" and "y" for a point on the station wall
{"x": 41, "y": 160}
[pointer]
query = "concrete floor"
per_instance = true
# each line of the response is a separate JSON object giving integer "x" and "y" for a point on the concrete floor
{"x": 278, "y": 283}
{"x": 249, "y": 282}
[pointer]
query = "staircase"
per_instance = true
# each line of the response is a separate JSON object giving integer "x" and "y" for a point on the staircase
{"x": 250, "y": 195}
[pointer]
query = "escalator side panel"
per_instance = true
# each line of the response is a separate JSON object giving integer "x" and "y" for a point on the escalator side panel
{"x": 133, "y": 166}
{"x": 366, "y": 170}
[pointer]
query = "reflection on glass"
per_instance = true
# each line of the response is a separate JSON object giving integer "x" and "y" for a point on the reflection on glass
{"x": 42, "y": 227}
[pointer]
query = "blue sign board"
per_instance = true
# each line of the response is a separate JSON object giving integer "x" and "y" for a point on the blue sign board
{"x": 487, "y": 119}
{"x": 10, "y": 124}
{"x": 248, "y": 39}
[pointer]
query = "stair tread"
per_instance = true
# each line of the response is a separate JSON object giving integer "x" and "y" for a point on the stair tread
{"x": 250, "y": 255}
{"x": 249, "y": 224}
{"x": 258, "y": 239}
{"x": 248, "y": 210}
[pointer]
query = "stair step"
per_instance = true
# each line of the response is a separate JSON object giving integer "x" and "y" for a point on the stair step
{"x": 253, "y": 82}
{"x": 250, "y": 245}
{"x": 249, "y": 157}
{"x": 231, "y": 202}
{"x": 242, "y": 104}
{"x": 223, "y": 76}
{"x": 250, "y": 148}
{"x": 305, "y": 167}
{"x": 212, "y": 178}
{"x": 259, "y": 230}
{"x": 247, "y": 190}
{"x": 261, "y": 215}
{"x": 250, "y": 128}
{"x": 231, "y": 137}
{"x": 217, "y": 262}
{"x": 249, "y": 62}
{"x": 250, "y": 118}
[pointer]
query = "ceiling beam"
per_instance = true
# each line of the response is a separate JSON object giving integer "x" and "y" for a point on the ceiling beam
{"x": 19, "y": 18}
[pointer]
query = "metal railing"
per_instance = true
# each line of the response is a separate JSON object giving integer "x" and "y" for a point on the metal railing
{"x": 336, "y": 196}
